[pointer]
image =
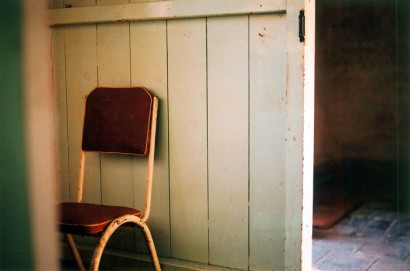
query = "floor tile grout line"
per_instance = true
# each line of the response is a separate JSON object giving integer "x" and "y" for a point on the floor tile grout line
{"x": 377, "y": 259}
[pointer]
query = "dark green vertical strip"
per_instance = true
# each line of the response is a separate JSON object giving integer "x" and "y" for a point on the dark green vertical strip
{"x": 15, "y": 239}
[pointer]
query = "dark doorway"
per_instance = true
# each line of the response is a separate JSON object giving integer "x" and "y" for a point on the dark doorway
{"x": 362, "y": 103}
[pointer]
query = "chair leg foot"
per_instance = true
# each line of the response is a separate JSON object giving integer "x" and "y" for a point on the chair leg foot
{"x": 151, "y": 248}
{"x": 75, "y": 252}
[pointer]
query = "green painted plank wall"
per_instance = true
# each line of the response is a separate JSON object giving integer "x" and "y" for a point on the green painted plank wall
{"x": 225, "y": 182}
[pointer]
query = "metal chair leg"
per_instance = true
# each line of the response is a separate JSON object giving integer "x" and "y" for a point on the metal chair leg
{"x": 151, "y": 246}
{"x": 75, "y": 252}
{"x": 95, "y": 262}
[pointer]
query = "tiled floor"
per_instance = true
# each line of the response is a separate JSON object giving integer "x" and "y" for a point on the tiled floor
{"x": 372, "y": 238}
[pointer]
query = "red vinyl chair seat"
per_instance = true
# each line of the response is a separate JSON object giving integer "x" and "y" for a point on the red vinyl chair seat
{"x": 90, "y": 219}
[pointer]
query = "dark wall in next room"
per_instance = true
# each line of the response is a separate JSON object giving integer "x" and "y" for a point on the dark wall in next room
{"x": 362, "y": 117}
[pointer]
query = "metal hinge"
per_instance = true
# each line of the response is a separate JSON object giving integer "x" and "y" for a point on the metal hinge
{"x": 302, "y": 26}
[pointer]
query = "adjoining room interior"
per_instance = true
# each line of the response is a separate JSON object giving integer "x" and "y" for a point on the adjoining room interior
{"x": 362, "y": 124}
{"x": 361, "y": 100}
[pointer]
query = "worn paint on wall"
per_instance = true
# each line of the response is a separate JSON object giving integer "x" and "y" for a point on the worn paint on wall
{"x": 226, "y": 138}
{"x": 206, "y": 139}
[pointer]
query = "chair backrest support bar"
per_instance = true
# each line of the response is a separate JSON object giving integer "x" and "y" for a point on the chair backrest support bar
{"x": 150, "y": 171}
{"x": 81, "y": 177}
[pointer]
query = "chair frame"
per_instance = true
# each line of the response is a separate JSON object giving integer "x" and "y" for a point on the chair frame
{"x": 116, "y": 223}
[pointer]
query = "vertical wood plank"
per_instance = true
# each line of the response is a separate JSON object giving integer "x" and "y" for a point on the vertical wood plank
{"x": 267, "y": 141}
{"x": 117, "y": 178}
{"x": 308, "y": 134}
{"x": 294, "y": 135}
{"x": 56, "y": 3}
{"x": 111, "y": 2}
{"x": 228, "y": 141}
{"x": 60, "y": 119}
{"x": 149, "y": 69}
{"x": 80, "y": 3}
{"x": 81, "y": 78}
{"x": 113, "y": 53}
{"x": 142, "y": 1}
{"x": 188, "y": 139}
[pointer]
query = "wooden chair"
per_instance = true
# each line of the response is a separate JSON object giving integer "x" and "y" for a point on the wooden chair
{"x": 122, "y": 121}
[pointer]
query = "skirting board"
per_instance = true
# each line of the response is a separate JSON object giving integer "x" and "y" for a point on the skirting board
{"x": 114, "y": 259}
